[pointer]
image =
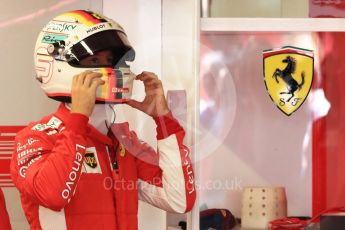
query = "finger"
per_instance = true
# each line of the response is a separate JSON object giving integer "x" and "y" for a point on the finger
{"x": 149, "y": 82}
{"x": 75, "y": 80}
{"x": 95, "y": 83}
{"x": 153, "y": 89}
{"x": 136, "y": 104}
{"x": 153, "y": 83}
{"x": 149, "y": 73}
{"x": 144, "y": 76}
{"x": 90, "y": 77}
{"x": 81, "y": 77}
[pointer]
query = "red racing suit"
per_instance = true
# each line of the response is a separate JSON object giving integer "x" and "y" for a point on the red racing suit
{"x": 70, "y": 176}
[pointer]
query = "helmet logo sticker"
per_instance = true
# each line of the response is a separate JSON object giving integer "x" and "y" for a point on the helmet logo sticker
{"x": 95, "y": 15}
{"x": 53, "y": 38}
{"x": 288, "y": 75}
{"x": 44, "y": 67}
{"x": 61, "y": 27}
{"x": 119, "y": 90}
{"x": 97, "y": 27}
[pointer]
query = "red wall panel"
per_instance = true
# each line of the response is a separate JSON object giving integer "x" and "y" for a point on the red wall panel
{"x": 7, "y": 135}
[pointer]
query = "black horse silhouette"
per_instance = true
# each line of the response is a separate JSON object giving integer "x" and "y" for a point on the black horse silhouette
{"x": 286, "y": 75}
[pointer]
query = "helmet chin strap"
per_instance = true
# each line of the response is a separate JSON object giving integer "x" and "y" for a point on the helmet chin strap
{"x": 102, "y": 117}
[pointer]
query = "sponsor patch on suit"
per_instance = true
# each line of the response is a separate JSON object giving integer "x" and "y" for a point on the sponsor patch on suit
{"x": 91, "y": 162}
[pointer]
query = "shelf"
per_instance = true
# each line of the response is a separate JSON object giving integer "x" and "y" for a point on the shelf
{"x": 272, "y": 24}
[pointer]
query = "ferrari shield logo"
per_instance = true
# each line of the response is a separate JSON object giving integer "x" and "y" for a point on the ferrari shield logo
{"x": 288, "y": 74}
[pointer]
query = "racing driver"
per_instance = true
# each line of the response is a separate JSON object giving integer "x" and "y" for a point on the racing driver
{"x": 77, "y": 168}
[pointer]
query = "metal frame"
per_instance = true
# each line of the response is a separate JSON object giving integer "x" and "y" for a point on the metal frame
{"x": 272, "y": 24}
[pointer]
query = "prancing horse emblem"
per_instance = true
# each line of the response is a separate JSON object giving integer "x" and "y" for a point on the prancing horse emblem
{"x": 288, "y": 76}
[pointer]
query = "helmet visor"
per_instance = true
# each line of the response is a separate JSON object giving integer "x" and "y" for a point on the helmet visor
{"x": 113, "y": 40}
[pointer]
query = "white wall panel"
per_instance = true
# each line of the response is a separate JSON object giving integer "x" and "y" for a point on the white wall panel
{"x": 180, "y": 62}
{"x": 141, "y": 20}
{"x": 21, "y": 99}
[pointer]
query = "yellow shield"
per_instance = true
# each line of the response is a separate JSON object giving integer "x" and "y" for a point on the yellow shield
{"x": 288, "y": 74}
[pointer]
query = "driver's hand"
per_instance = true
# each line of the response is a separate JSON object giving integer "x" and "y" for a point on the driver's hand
{"x": 154, "y": 103}
{"x": 84, "y": 87}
